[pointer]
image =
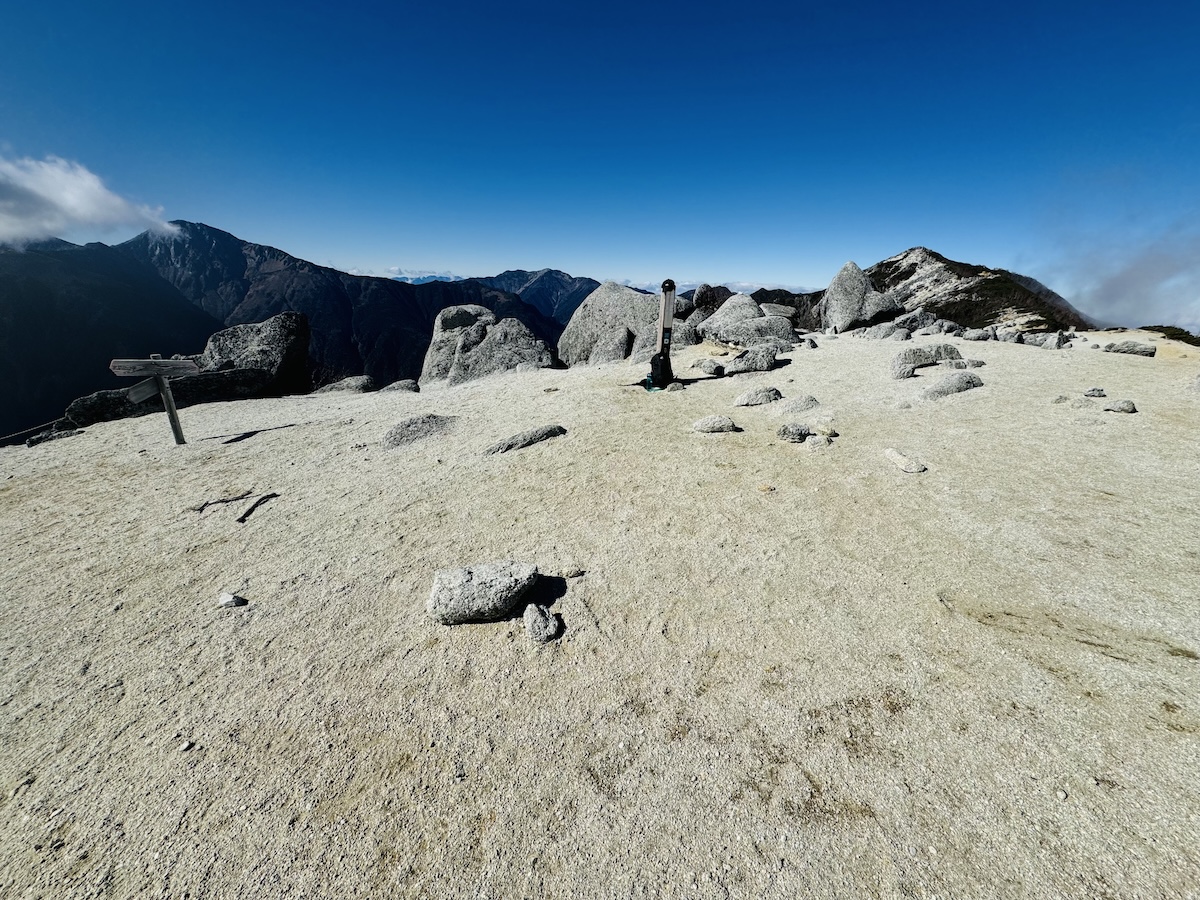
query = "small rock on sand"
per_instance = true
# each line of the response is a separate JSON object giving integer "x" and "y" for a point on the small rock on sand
{"x": 758, "y": 396}
{"x": 541, "y": 625}
{"x": 755, "y": 359}
{"x": 714, "y": 424}
{"x": 406, "y": 385}
{"x": 526, "y": 439}
{"x": 1095, "y": 392}
{"x": 709, "y": 366}
{"x": 953, "y": 384}
{"x": 229, "y": 601}
{"x": 904, "y": 462}
{"x": 1121, "y": 406}
{"x": 480, "y": 593}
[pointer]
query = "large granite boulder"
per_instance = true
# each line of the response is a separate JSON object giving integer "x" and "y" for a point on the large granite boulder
{"x": 851, "y": 300}
{"x": 707, "y": 300}
{"x": 189, "y": 390}
{"x": 469, "y": 343}
{"x": 277, "y": 346}
{"x": 607, "y": 324}
{"x": 741, "y": 323}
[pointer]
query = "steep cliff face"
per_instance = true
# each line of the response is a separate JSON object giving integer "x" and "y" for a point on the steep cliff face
{"x": 972, "y": 295}
{"x": 552, "y": 293}
{"x": 360, "y": 325}
{"x": 67, "y": 311}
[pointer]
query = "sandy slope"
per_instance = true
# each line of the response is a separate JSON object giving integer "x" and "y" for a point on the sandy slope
{"x": 786, "y": 673}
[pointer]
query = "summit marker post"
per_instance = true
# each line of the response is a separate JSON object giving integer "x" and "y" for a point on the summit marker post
{"x": 660, "y": 363}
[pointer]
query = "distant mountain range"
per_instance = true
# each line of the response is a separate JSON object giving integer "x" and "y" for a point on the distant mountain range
{"x": 66, "y": 310}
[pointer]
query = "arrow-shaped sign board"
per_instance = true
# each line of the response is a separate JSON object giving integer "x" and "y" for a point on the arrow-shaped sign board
{"x": 159, "y": 370}
{"x": 168, "y": 367}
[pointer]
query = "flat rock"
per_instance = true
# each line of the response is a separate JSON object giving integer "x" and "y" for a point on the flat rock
{"x": 230, "y": 601}
{"x": 541, "y": 625}
{"x": 954, "y": 383}
{"x": 355, "y": 384}
{"x": 754, "y": 359}
{"x": 758, "y": 396}
{"x": 416, "y": 428}
{"x": 526, "y": 439}
{"x": 406, "y": 385}
{"x": 904, "y": 462}
{"x": 961, "y": 363}
{"x": 977, "y": 334}
{"x": 1132, "y": 347}
{"x": 480, "y": 593}
{"x": 1095, "y": 392}
{"x": 713, "y": 424}
{"x": 1121, "y": 406}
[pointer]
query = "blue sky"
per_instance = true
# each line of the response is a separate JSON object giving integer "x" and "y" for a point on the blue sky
{"x": 716, "y": 142}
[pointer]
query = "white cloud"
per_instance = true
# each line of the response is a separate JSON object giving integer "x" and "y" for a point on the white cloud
{"x": 53, "y": 196}
{"x": 1152, "y": 279}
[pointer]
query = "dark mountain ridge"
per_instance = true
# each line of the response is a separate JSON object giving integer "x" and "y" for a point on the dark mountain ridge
{"x": 66, "y": 311}
{"x": 552, "y": 292}
{"x": 360, "y": 324}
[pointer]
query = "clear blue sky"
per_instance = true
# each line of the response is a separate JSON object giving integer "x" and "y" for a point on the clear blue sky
{"x": 742, "y": 141}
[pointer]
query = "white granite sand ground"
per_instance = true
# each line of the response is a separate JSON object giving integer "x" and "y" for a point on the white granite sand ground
{"x": 785, "y": 673}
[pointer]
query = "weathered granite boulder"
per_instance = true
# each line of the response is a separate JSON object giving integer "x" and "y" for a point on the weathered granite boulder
{"x": 794, "y": 432}
{"x": 266, "y": 359}
{"x": 916, "y": 320}
{"x": 880, "y": 332}
{"x": 541, "y": 625}
{"x": 752, "y": 359}
{"x": 714, "y": 425}
{"x": 526, "y": 439}
{"x": 740, "y": 321}
{"x": 977, "y": 334}
{"x": 1121, "y": 406}
{"x": 758, "y": 396}
{"x": 189, "y": 390}
{"x": 778, "y": 309}
{"x": 606, "y": 324}
{"x": 355, "y": 384}
{"x": 278, "y": 346}
{"x": 480, "y": 593}
{"x": 707, "y": 300}
{"x": 851, "y": 300}
{"x": 1132, "y": 347}
{"x": 468, "y": 343}
{"x": 954, "y": 383}
{"x": 404, "y": 385}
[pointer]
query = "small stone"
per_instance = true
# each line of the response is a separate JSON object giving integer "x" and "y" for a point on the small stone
{"x": 1060, "y": 794}
{"x": 819, "y": 442}
{"x": 541, "y": 625}
{"x": 228, "y": 601}
{"x": 1095, "y": 392}
{"x": 404, "y": 385}
{"x": 709, "y": 366}
{"x": 526, "y": 439}
{"x": 825, "y": 430}
{"x": 795, "y": 405}
{"x": 1121, "y": 406}
{"x": 714, "y": 424}
{"x": 758, "y": 396}
{"x": 674, "y": 386}
{"x": 754, "y": 359}
{"x": 186, "y": 746}
{"x": 1132, "y": 347}
{"x": 904, "y": 462}
{"x": 1061, "y": 398}
{"x": 794, "y": 433}
{"x": 573, "y": 572}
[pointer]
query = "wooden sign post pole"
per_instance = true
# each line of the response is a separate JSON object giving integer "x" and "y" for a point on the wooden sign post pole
{"x": 164, "y": 389}
{"x": 158, "y": 369}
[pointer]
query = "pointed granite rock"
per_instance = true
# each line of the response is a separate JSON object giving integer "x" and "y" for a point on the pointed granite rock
{"x": 850, "y": 299}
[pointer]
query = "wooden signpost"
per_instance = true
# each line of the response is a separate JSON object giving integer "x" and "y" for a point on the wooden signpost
{"x": 159, "y": 370}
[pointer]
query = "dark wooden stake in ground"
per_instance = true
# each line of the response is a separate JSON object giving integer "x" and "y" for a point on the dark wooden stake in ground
{"x": 159, "y": 370}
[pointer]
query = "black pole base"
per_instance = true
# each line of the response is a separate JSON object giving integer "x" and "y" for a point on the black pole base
{"x": 660, "y": 372}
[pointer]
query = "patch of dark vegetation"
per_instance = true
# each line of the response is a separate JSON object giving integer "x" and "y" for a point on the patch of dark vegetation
{"x": 1175, "y": 333}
